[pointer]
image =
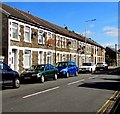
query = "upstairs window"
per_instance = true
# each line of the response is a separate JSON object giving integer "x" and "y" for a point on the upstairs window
{"x": 63, "y": 42}
{"x": 49, "y": 35}
{"x": 58, "y": 41}
{"x": 27, "y": 34}
{"x": 41, "y": 37}
{"x": 15, "y": 30}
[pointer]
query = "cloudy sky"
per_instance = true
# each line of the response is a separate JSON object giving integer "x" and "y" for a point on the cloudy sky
{"x": 96, "y": 20}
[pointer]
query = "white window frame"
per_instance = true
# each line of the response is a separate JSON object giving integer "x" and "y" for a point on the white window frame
{"x": 17, "y": 30}
{"x": 58, "y": 41}
{"x": 28, "y": 31}
{"x": 49, "y": 35}
{"x": 63, "y": 57}
{"x": 49, "y": 55}
{"x": 41, "y": 57}
{"x": 63, "y": 42}
{"x": 29, "y": 54}
{"x": 41, "y": 33}
{"x": 75, "y": 58}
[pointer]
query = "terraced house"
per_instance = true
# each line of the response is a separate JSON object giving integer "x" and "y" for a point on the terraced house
{"x": 28, "y": 40}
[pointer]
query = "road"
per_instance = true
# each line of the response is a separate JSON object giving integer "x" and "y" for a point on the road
{"x": 85, "y": 93}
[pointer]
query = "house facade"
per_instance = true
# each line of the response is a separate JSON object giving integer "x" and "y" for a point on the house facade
{"x": 29, "y": 40}
{"x": 112, "y": 57}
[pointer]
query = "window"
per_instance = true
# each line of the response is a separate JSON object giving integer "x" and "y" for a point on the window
{"x": 74, "y": 58}
{"x": 74, "y": 44}
{"x": 49, "y": 58}
{"x": 27, "y": 34}
{"x": 58, "y": 40}
{"x": 57, "y": 57}
{"x": 40, "y": 37}
{"x": 63, "y": 57}
{"x": 49, "y": 35}
{"x": 15, "y": 30}
{"x": 63, "y": 42}
{"x": 41, "y": 58}
{"x": 27, "y": 58}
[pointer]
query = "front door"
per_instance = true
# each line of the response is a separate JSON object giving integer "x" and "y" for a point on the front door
{"x": 14, "y": 59}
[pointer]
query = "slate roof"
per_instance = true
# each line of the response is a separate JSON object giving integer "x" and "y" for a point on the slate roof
{"x": 112, "y": 50}
{"x": 19, "y": 15}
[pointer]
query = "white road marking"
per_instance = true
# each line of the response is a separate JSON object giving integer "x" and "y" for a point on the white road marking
{"x": 40, "y": 92}
{"x": 92, "y": 77}
{"x": 75, "y": 82}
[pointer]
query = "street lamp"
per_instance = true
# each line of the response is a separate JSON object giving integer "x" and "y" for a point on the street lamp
{"x": 86, "y": 35}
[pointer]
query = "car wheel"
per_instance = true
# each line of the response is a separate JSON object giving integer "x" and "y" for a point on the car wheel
{"x": 55, "y": 77}
{"x": 16, "y": 83}
{"x": 67, "y": 75}
{"x": 42, "y": 79}
{"x": 76, "y": 73}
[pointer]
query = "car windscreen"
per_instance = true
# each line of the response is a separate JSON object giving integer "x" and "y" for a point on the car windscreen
{"x": 40, "y": 67}
{"x": 86, "y": 64}
{"x": 36, "y": 67}
{"x": 62, "y": 64}
{"x": 99, "y": 63}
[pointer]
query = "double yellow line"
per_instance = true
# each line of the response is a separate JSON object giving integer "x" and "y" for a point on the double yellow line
{"x": 108, "y": 104}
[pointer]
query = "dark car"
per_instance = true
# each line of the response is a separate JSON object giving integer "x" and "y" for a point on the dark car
{"x": 8, "y": 77}
{"x": 39, "y": 73}
{"x": 67, "y": 68}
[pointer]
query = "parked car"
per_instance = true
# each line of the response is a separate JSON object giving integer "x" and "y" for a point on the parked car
{"x": 8, "y": 77}
{"x": 101, "y": 66}
{"x": 39, "y": 72}
{"x": 67, "y": 68}
{"x": 88, "y": 67}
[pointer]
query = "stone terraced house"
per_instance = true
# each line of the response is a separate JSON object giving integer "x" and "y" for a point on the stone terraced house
{"x": 29, "y": 40}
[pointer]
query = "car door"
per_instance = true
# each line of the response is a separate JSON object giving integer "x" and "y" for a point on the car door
{"x": 70, "y": 68}
{"x": 47, "y": 71}
{"x": 52, "y": 70}
{"x": 74, "y": 68}
{"x": 7, "y": 74}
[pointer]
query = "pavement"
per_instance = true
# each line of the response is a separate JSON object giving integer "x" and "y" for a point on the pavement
{"x": 115, "y": 70}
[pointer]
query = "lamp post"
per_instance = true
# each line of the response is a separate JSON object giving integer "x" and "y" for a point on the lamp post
{"x": 86, "y": 35}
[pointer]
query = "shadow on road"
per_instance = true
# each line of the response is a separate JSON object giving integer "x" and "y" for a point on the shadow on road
{"x": 110, "y": 71}
{"x": 114, "y": 79}
{"x": 102, "y": 85}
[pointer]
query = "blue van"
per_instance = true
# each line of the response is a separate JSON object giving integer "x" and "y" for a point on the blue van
{"x": 67, "y": 68}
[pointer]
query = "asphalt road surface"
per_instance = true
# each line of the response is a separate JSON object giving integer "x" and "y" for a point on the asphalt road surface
{"x": 84, "y": 93}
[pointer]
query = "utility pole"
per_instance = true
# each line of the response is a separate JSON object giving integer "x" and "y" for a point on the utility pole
{"x": 86, "y": 35}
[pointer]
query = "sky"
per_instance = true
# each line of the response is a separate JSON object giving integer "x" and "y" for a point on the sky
{"x": 78, "y": 16}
